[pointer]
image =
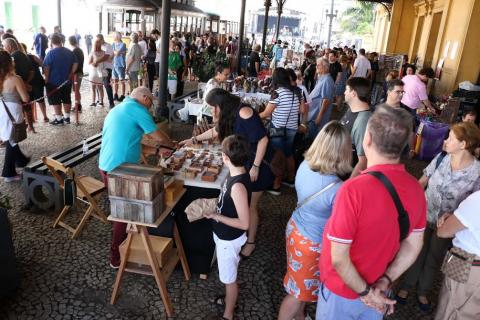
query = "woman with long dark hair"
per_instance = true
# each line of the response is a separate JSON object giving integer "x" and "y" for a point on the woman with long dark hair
{"x": 233, "y": 117}
{"x": 284, "y": 109}
{"x": 13, "y": 93}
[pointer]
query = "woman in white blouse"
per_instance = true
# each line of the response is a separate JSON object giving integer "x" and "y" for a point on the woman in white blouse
{"x": 460, "y": 298}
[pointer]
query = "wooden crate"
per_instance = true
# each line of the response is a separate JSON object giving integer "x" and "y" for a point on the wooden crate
{"x": 136, "y": 182}
{"x": 173, "y": 191}
{"x": 137, "y": 210}
{"x": 161, "y": 248}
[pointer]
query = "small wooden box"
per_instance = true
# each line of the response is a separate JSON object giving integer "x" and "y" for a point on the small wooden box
{"x": 209, "y": 177}
{"x": 137, "y": 210}
{"x": 173, "y": 191}
{"x": 161, "y": 249}
{"x": 134, "y": 181}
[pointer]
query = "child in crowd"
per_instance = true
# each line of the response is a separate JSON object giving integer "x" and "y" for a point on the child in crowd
{"x": 306, "y": 96}
{"x": 231, "y": 219}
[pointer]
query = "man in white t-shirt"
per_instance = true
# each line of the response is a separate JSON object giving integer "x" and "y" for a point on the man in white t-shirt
{"x": 107, "y": 63}
{"x": 361, "y": 67}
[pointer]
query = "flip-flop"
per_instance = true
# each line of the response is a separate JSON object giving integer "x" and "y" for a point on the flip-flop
{"x": 219, "y": 301}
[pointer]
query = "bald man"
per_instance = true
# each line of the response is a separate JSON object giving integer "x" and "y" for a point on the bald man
{"x": 122, "y": 134}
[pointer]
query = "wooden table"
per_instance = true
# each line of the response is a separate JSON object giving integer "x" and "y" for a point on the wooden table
{"x": 161, "y": 274}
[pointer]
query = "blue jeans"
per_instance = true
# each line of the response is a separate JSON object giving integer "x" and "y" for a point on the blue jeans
{"x": 284, "y": 144}
{"x": 333, "y": 307}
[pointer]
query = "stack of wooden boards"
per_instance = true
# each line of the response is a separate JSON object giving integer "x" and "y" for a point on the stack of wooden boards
{"x": 136, "y": 192}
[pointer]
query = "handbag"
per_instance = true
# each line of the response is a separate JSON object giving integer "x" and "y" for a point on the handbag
{"x": 457, "y": 264}
{"x": 403, "y": 220}
{"x": 280, "y": 132}
{"x": 313, "y": 196}
{"x": 19, "y": 130}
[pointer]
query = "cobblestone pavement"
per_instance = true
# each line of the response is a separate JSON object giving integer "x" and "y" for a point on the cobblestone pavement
{"x": 71, "y": 279}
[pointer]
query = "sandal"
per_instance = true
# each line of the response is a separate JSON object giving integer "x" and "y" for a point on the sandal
{"x": 245, "y": 257}
{"x": 401, "y": 300}
{"x": 219, "y": 301}
{"x": 425, "y": 307}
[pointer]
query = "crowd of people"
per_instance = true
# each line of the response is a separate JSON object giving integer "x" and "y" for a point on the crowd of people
{"x": 362, "y": 222}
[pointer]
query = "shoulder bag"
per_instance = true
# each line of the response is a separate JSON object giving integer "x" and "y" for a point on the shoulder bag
{"x": 19, "y": 130}
{"x": 457, "y": 264}
{"x": 281, "y": 132}
{"x": 403, "y": 220}
{"x": 313, "y": 196}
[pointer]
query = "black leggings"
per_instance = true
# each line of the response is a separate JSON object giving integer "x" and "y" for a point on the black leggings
{"x": 108, "y": 86}
{"x": 13, "y": 157}
{"x": 151, "y": 71}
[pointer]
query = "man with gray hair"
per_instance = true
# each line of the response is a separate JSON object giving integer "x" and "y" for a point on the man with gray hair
{"x": 122, "y": 134}
{"x": 376, "y": 228}
{"x": 134, "y": 60}
{"x": 322, "y": 96}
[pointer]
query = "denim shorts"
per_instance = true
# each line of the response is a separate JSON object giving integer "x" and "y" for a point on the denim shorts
{"x": 285, "y": 144}
{"x": 118, "y": 73}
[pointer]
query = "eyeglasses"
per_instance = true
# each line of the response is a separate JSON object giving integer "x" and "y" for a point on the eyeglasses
{"x": 150, "y": 99}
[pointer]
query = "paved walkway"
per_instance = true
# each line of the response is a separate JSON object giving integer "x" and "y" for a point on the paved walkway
{"x": 71, "y": 279}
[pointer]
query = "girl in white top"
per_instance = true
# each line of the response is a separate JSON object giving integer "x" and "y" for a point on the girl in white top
{"x": 97, "y": 72}
{"x": 462, "y": 300}
{"x": 13, "y": 93}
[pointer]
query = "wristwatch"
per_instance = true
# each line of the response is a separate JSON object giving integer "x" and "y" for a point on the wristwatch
{"x": 365, "y": 292}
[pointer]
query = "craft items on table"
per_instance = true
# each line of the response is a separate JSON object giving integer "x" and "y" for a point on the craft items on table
{"x": 197, "y": 166}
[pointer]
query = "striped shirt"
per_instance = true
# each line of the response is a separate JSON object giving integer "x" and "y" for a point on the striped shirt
{"x": 287, "y": 103}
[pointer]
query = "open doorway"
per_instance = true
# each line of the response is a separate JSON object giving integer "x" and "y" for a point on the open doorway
{"x": 432, "y": 39}
{"x": 418, "y": 36}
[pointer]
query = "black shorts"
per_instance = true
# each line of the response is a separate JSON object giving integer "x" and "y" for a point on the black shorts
{"x": 37, "y": 92}
{"x": 62, "y": 95}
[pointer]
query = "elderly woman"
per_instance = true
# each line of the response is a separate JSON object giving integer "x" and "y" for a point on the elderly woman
{"x": 460, "y": 296}
{"x": 317, "y": 182}
{"x": 233, "y": 117}
{"x": 450, "y": 180}
{"x": 13, "y": 93}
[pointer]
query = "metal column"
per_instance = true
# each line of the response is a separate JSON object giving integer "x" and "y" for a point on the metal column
{"x": 240, "y": 39}
{"x": 164, "y": 44}
{"x": 267, "y": 4}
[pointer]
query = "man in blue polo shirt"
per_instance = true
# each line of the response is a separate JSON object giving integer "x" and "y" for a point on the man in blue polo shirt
{"x": 122, "y": 134}
{"x": 58, "y": 67}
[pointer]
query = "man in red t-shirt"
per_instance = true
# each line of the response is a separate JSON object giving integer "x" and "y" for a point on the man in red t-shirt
{"x": 362, "y": 253}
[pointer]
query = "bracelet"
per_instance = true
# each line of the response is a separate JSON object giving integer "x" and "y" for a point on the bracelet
{"x": 365, "y": 292}
{"x": 254, "y": 165}
{"x": 388, "y": 279}
{"x": 194, "y": 140}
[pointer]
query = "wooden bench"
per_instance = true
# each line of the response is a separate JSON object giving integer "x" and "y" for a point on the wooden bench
{"x": 41, "y": 189}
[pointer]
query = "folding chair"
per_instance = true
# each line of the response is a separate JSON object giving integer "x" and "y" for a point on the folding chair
{"x": 86, "y": 189}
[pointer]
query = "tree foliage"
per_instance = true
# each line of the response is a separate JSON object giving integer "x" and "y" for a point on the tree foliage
{"x": 358, "y": 19}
